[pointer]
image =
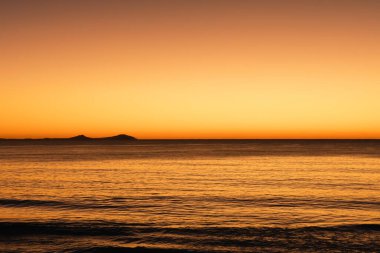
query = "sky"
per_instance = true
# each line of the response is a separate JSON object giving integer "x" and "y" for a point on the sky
{"x": 190, "y": 69}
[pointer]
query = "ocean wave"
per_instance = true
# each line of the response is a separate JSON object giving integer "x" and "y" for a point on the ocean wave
{"x": 113, "y": 249}
{"x": 147, "y": 202}
{"x": 69, "y": 205}
{"x": 88, "y": 237}
{"x": 114, "y": 228}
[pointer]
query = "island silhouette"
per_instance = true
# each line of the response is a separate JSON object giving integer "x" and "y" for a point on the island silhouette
{"x": 120, "y": 137}
{"x": 78, "y": 138}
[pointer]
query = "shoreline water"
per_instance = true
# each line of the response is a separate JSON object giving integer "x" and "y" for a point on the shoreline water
{"x": 98, "y": 237}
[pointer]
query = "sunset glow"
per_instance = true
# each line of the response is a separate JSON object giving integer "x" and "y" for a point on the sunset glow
{"x": 190, "y": 69}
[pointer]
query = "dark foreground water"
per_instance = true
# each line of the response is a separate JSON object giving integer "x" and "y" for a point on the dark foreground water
{"x": 191, "y": 196}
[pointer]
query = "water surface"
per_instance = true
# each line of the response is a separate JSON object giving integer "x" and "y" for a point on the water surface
{"x": 195, "y": 196}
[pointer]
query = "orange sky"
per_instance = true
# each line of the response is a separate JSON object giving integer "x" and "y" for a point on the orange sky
{"x": 190, "y": 69}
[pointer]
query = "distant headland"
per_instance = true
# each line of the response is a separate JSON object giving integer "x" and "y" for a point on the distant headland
{"x": 78, "y": 138}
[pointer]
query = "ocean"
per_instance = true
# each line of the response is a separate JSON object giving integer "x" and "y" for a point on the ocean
{"x": 191, "y": 196}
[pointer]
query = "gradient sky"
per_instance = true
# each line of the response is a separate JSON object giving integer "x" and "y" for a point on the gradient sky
{"x": 190, "y": 69}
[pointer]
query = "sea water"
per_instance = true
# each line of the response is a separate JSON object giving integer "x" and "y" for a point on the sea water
{"x": 191, "y": 196}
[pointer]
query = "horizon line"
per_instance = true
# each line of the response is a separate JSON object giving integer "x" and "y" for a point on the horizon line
{"x": 195, "y": 139}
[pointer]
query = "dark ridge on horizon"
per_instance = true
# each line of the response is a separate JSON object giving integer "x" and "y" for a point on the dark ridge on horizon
{"x": 120, "y": 137}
